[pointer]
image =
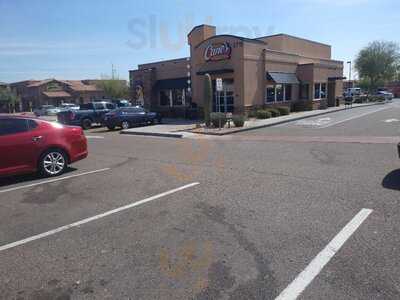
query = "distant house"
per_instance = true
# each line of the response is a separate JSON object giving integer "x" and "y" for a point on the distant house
{"x": 34, "y": 93}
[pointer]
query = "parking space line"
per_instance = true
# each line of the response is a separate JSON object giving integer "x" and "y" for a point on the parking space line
{"x": 94, "y": 218}
{"x": 352, "y": 118}
{"x": 98, "y": 137}
{"x": 300, "y": 283}
{"x": 51, "y": 180}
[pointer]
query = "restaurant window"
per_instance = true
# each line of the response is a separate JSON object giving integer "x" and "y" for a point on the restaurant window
{"x": 178, "y": 97}
{"x": 270, "y": 93}
{"x": 320, "y": 91}
{"x": 279, "y": 92}
{"x": 175, "y": 97}
{"x": 323, "y": 90}
{"x": 288, "y": 92}
{"x": 165, "y": 98}
{"x": 317, "y": 91}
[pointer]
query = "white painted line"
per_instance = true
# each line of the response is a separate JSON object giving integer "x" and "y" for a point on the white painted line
{"x": 51, "y": 180}
{"x": 300, "y": 283}
{"x": 354, "y": 117}
{"x": 94, "y": 218}
{"x": 95, "y": 137}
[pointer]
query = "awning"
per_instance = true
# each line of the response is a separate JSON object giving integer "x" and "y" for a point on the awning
{"x": 283, "y": 78}
{"x": 176, "y": 83}
{"x": 215, "y": 72}
{"x": 59, "y": 94}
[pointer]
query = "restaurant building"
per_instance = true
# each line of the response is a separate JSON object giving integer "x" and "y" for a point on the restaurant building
{"x": 267, "y": 71}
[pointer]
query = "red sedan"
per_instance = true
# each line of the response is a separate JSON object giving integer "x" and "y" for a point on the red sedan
{"x": 29, "y": 145}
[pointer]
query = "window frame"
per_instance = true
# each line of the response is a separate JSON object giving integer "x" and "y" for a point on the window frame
{"x": 284, "y": 87}
{"x": 170, "y": 94}
{"x": 320, "y": 84}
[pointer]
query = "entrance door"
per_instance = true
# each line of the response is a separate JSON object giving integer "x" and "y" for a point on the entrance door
{"x": 226, "y": 98}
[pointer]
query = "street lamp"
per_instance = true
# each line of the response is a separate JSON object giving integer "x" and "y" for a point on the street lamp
{"x": 349, "y": 63}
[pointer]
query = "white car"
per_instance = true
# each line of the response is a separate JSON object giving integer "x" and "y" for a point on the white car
{"x": 69, "y": 106}
{"x": 386, "y": 96}
{"x": 46, "y": 110}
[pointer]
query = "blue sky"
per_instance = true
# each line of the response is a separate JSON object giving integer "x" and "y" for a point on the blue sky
{"x": 72, "y": 39}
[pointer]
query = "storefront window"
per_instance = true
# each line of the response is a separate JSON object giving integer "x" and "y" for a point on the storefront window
{"x": 174, "y": 97}
{"x": 279, "y": 92}
{"x": 177, "y": 97}
{"x": 317, "y": 91}
{"x": 270, "y": 93}
{"x": 288, "y": 92}
{"x": 323, "y": 90}
{"x": 165, "y": 98}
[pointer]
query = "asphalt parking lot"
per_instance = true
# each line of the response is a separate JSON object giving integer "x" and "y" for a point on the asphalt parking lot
{"x": 307, "y": 209}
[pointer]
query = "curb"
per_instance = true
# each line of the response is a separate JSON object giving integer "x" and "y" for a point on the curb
{"x": 181, "y": 135}
{"x": 156, "y": 134}
{"x": 280, "y": 122}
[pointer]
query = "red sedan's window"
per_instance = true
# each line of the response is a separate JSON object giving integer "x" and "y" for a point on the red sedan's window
{"x": 13, "y": 126}
{"x": 32, "y": 124}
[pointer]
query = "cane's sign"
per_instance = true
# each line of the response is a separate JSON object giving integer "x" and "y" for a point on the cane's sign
{"x": 218, "y": 51}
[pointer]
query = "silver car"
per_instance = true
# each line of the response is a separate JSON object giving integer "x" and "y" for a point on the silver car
{"x": 46, "y": 110}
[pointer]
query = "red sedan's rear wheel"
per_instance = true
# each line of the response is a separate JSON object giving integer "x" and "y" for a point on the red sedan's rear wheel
{"x": 53, "y": 163}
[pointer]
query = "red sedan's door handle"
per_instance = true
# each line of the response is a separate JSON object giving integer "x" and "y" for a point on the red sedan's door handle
{"x": 37, "y": 138}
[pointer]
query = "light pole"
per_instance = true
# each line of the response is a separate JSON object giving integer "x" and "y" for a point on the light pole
{"x": 349, "y": 63}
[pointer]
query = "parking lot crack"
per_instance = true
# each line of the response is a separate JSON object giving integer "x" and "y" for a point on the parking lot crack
{"x": 264, "y": 286}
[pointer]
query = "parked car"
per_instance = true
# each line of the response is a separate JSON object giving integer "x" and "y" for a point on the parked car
{"x": 352, "y": 92}
{"x": 30, "y": 145}
{"x": 68, "y": 106}
{"x": 122, "y": 103}
{"x": 384, "y": 95}
{"x": 87, "y": 115}
{"x": 46, "y": 110}
{"x": 127, "y": 117}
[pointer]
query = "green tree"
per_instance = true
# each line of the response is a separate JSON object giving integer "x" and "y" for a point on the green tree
{"x": 8, "y": 99}
{"x": 377, "y": 63}
{"x": 114, "y": 88}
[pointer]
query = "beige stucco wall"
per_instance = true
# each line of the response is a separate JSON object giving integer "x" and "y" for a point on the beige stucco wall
{"x": 299, "y": 46}
{"x": 168, "y": 69}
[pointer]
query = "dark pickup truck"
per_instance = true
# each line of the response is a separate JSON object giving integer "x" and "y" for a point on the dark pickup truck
{"x": 87, "y": 115}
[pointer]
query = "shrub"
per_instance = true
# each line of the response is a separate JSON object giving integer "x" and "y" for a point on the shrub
{"x": 238, "y": 121}
{"x": 263, "y": 114}
{"x": 217, "y": 119}
{"x": 283, "y": 110}
{"x": 274, "y": 112}
{"x": 252, "y": 114}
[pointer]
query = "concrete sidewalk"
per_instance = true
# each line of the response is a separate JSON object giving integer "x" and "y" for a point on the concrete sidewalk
{"x": 169, "y": 128}
{"x": 295, "y": 116}
{"x": 183, "y": 128}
